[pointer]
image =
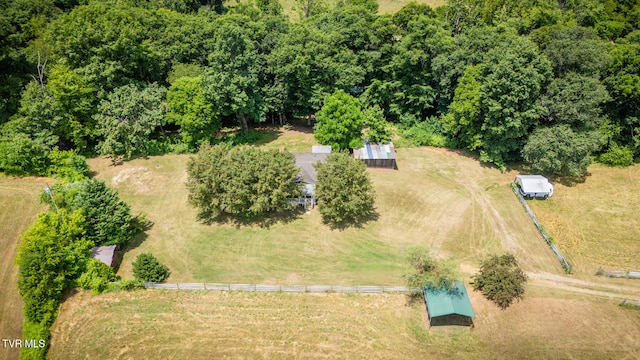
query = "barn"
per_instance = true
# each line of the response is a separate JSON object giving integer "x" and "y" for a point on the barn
{"x": 377, "y": 156}
{"x": 449, "y": 306}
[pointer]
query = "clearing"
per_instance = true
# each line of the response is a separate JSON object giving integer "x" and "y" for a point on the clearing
{"x": 19, "y": 205}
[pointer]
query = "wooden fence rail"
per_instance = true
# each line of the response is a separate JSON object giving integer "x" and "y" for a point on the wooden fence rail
{"x": 618, "y": 273}
{"x": 563, "y": 261}
{"x": 368, "y": 289}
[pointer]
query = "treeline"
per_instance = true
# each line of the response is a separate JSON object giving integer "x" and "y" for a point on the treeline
{"x": 555, "y": 84}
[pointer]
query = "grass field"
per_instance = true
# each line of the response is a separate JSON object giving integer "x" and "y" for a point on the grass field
{"x": 18, "y": 208}
{"x": 153, "y": 324}
{"x": 597, "y": 223}
{"x": 438, "y": 198}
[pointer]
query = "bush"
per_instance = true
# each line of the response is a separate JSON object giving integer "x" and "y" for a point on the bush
{"x": 67, "y": 165}
{"x": 500, "y": 280}
{"x": 147, "y": 268}
{"x": 427, "y": 133}
{"x": 97, "y": 277}
{"x": 40, "y": 333}
{"x": 617, "y": 156}
{"x": 424, "y": 270}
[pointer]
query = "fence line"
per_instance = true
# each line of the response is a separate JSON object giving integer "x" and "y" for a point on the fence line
{"x": 363, "y": 289}
{"x": 618, "y": 273}
{"x": 628, "y": 302}
{"x": 563, "y": 261}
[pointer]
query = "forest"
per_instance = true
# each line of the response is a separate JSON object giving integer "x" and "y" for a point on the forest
{"x": 552, "y": 84}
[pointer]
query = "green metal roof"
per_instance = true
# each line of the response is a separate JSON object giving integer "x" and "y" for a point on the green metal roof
{"x": 441, "y": 302}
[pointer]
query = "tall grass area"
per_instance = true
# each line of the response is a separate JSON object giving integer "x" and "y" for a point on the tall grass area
{"x": 596, "y": 223}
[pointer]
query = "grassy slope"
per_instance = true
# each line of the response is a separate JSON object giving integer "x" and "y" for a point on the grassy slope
{"x": 597, "y": 223}
{"x": 428, "y": 201}
{"x": 18, "y": 208}
{"x": 178, "y": 324}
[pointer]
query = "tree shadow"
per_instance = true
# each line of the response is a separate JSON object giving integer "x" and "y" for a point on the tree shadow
{"x": 357, "y": 223}
{"x": 263, "y": 221}
{"x": 569, "y": 181}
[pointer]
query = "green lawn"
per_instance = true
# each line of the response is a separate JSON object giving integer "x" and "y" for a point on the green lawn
{"x": 438, "y": 199}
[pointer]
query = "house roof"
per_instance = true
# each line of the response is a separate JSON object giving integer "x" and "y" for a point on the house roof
{"x": 534, "y": 183}
{"x": 305, "y": 162}
{"x": 104, "y": 253}
{"x": 442, "y": 302}
{"x": 375, "y": 151}
{"x": 321, "y": 149}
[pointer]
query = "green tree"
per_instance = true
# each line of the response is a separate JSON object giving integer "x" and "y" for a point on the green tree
{"x": 558, "y": 150}
{"x": 500, "y": 280}
{"x": 147, "y": 268}
{"x": 344, "y": 191}
{"x": 241, "y": 182}
{"x": 188, "y": 108}
{"x": 339, "y": 122}
{"x": 127, "y": 118}
{"x": 20, "y": 155}
{"x": 51, "y": 254}
{"x": 109, "y": 219}
{"x": 425, "y": 270}
{"x": 377, "y": 129}
{"x": 96, "y": 277}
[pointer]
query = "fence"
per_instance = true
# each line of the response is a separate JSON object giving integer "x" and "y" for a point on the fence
{"x": 565, "y": 264}
{"x": 280, "y": 288}
{"x": 618, "y": 273}
{"x": 628, "y": 302}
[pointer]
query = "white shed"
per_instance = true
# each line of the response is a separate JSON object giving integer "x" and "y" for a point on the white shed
{"x": 534, "y": 186}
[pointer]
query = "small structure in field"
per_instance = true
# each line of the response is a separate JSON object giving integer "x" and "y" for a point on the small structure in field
{"x": 449, "y": 306}
{"x": 110, "y": 255}
{"x": 534, "y": 186}
{"x": 378, "y": 156}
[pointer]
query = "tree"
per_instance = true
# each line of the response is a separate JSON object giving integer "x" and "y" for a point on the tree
{"x": 377, "y": 129}
{"x": 500, "y": 280}
{"x": 198, "y": 119}
{"x": 344, "y": 191}
{"x": 241, "y": 182}
{"x": 96, "y": 277}
{"x": 558, "y": 150}
{"x": 339, "y": 122}
{"x": 425, "y": 270}
{"x": 51, "y": 254}
{"x": 147, "y": 268}
{"x": 127, "y": 118}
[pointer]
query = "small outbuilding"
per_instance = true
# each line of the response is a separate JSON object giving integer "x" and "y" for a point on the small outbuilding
{"x": 308, "y": 174}
{"x": 534, "y": 186}
{"x": 449, "y": 306}
{"x": 378, "y": 156}
{"x": 110, "y": 255}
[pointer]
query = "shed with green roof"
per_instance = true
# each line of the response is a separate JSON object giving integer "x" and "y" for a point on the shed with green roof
{"x": 449, "y": 306}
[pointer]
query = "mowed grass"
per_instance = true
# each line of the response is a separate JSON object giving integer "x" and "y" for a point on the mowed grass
{"x": 438, "y": 199}
{"x": 154, "y": 324}
{"x": 596, "y": 223}
{"x": 19, "y": 204}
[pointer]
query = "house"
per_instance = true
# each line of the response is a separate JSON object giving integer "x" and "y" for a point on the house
{"x": 378, "y": 156}
{"x": 308, "y": 173}
{"x": 534, "y": 186}
{"x": 449, "y": 306}
{"x": 110, "y": 255}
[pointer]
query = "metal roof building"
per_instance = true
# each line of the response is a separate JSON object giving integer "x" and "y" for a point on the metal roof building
{"x": 534, "y": 186}
{"x": 374, "y": 155}
{"x": 107, "y": 254}
{"x": 449, "y": 307}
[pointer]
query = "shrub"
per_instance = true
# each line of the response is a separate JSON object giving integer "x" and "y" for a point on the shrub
{"x": 147, "y": 268}
{"x": 500, "y": 280}
{"x": 427, "y": 133}
{"x": 67, "y": 165}
{"x": 97, "y": 277}
{"x": 617, "y": 156}
{"x": 424, "y": 270}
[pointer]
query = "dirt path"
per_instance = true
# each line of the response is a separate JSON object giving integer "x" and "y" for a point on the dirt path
{"x": 585, "y": 287}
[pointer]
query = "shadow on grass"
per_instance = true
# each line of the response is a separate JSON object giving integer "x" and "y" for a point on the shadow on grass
{"x": 263, "y": 221}
{"x": 357, "y": 223}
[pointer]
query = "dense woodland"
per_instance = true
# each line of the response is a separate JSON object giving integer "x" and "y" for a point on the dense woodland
{"x": 552, "y": 83}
